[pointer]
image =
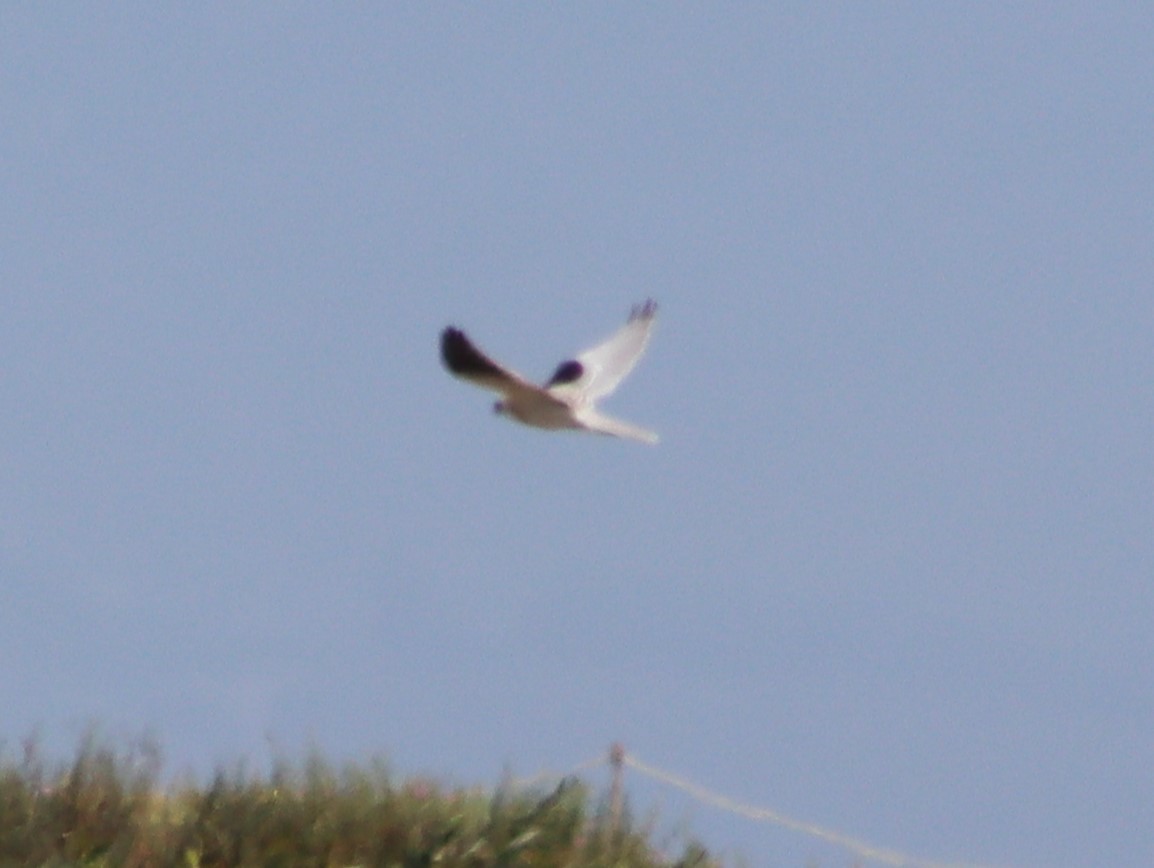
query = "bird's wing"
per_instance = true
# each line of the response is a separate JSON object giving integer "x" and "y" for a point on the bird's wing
{"x": 597, "y": 372}
{"x": 464, "y": 360}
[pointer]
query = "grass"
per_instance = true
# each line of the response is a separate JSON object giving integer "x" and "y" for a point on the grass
{"x": 108, "y": 807}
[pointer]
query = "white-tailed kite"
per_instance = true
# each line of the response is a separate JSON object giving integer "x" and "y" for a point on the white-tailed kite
{"x": 568, "y": 399}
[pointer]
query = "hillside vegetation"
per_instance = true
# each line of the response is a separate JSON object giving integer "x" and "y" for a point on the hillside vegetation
{"x": 109, "y": 807}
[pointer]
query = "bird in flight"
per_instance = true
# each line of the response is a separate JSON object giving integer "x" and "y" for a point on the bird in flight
{"x": 568, "y": 400}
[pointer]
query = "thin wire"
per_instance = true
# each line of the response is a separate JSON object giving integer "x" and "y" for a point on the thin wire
{"x": 859, "y": 848}
{"x": 544, "y": 776}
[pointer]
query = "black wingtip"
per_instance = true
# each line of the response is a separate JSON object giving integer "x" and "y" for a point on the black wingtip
{"x": 646, "y": 310}
{"x": 462, "y": 358}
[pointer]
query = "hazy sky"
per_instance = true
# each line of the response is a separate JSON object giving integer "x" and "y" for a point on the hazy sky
{"x": 890, "y": 570}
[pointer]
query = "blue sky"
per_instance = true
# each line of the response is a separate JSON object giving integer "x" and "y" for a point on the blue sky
{"x": 890, "y": 569}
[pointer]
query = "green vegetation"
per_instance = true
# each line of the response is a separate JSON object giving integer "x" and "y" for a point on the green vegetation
{"x": 108, "y": 807}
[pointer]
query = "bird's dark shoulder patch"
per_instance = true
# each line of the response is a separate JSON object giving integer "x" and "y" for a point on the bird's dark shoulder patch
{"x": 567, "y": 372}
{"x": 461, "y": 357}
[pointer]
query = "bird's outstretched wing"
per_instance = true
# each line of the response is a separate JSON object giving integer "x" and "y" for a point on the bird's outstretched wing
{"x": 595, "y": 373}
{"x": 464, "y": 360}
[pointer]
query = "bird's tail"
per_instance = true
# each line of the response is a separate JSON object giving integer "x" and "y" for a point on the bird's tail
{"x": 616, "y": 428}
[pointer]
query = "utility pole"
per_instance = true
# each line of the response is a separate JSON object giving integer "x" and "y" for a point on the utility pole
{"x": 616, "y": 796}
